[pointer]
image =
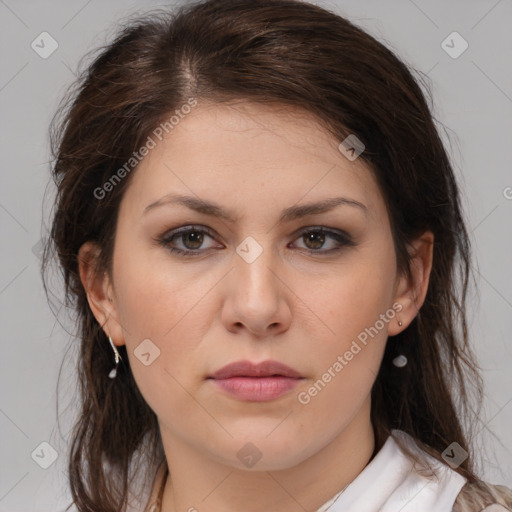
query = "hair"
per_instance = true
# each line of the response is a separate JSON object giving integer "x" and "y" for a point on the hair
{"x": 270, "y": 52}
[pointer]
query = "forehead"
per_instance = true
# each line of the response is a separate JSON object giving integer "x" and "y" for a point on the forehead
{"x": 247, "y": 153}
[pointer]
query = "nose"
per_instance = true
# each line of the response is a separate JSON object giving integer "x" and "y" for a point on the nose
{"x": 256, "y": 296}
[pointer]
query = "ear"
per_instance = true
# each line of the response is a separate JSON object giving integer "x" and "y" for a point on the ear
{"x": 100, "y": 292}
{"x": 411, "y": 292}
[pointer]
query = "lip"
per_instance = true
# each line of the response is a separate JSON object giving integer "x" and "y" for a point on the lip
{"x": 267, "y": 368}
{"x": 261, "y": 382}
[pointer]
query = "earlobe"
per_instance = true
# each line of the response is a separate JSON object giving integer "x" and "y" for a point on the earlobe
{"x": 411, "y": 291}
{"x": 98, "y": 289}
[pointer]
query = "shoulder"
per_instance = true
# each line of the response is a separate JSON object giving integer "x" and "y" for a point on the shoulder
{"x": 481, "y": 496}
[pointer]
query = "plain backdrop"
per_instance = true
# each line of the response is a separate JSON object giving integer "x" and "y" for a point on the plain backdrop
{"x": 473, "y": 102}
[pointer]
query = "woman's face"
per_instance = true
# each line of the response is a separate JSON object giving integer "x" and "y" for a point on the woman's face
{"x": 258, "y": 285}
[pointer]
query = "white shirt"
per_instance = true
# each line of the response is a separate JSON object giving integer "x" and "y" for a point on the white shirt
{"x": 391, "y": 483}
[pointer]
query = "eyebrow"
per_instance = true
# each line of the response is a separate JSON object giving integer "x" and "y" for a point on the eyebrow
{"x": 289, "y": 214}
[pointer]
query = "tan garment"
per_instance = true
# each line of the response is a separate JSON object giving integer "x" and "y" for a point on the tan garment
{"x": 481, "y": 496}
{"x": 476, "y": 497}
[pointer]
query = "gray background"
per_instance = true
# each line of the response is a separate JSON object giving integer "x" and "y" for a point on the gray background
{"x": 473, "y": 100}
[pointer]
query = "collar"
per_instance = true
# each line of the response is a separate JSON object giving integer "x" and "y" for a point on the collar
{"x": 392, "y": 482}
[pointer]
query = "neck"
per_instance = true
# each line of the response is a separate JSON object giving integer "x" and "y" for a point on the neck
{"x": 197, "y": 482}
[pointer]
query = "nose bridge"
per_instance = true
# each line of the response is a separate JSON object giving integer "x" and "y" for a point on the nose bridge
{"x": 256, "y": 268}
{"x": 257, "y": 301}
{"x": 255, "y": 296}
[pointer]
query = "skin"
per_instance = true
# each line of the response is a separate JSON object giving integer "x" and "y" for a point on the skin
{"x": 302, "y": 309}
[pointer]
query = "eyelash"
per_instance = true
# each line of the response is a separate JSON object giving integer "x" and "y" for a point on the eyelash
{"x": 341, "y": 237}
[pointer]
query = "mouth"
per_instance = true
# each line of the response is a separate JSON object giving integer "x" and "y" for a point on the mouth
{"x": 256, "y": 382}
{"x": 268, "y": 368}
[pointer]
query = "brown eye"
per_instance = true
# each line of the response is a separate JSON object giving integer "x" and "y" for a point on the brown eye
{"x": 314, "y": 239}
{"x": 192, "y": 240}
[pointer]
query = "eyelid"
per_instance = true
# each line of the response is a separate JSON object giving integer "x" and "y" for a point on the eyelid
{"x": 185, "y": 229}
{"x": 323, "y": 229}
{"x": 175, "y": 233}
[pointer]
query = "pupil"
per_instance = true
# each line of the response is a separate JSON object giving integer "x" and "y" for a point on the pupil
{"x": 312, "y": 236}
{"x": 197, "y": 238}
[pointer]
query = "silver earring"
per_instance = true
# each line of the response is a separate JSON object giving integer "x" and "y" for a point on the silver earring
{"x": 400, "y": 361}
{"x": 113, "y": 372}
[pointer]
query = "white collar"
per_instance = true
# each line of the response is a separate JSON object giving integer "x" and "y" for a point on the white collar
{"x": 391, "y": 483}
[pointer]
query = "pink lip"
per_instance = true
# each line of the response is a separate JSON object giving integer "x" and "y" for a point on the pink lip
{"x": 256, "y": 382}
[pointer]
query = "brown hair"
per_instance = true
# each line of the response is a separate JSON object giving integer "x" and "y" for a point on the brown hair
{"x": 271, "y": 52}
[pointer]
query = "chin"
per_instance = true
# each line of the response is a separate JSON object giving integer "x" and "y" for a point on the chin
{"x": 261, "y": 453}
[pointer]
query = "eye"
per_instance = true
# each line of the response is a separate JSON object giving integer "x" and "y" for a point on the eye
{"x": 190, "y": 237}
{"x": 315, "y": 239}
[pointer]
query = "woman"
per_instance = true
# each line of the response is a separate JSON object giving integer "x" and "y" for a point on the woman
{"x": 261, "y": 233}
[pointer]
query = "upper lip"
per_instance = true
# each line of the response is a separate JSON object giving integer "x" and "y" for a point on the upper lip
{"x": 248, "y": 369}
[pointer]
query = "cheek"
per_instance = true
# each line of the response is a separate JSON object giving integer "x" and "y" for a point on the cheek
{"x": 157, "y": 295}
{"x": 351, "y": 298}
{"x": 157, "y": 309}
{"x": 161, "y": 315}
{"x": 349, "y": 307}
{"x": 348, "y": 354}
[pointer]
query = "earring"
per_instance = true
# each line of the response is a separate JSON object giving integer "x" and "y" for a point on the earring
{"x": 400, "y": 361}
{"x": 113, "y": 372}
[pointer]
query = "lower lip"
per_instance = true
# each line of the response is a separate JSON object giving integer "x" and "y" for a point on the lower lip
{"x": 257, "y": 389}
